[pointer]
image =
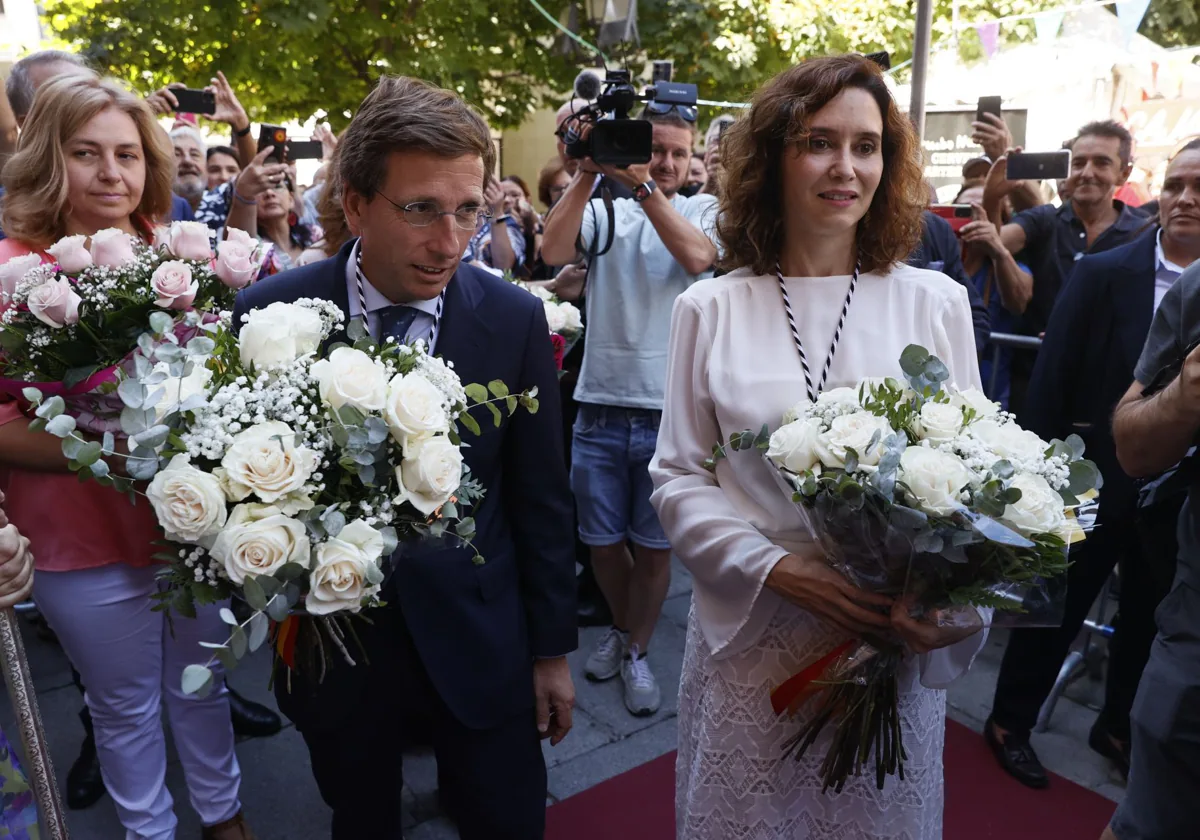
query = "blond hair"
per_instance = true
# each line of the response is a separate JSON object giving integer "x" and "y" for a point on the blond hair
{"x": 36, "y": 206}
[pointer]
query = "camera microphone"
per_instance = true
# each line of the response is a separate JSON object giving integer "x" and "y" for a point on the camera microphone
{"x": 587, "y": 85}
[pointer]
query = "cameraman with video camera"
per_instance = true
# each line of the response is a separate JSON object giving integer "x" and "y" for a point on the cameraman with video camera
{"x": 642, "y": 253}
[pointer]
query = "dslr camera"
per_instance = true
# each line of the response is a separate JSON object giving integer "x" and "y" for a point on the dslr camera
{"x": 616, "y": 139}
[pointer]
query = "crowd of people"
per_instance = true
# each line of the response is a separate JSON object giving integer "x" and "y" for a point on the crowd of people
{"x": 816, "y": 191}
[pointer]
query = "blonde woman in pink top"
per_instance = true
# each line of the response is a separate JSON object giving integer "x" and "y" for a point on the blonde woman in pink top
{"x": 91, "y": 157}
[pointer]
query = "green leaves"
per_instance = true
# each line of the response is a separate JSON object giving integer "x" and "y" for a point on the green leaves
{"x": 198, "y": 680}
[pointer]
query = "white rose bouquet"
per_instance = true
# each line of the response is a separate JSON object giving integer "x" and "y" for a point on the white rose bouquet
{"x": 562, "y": 317}
{"x": 919, "y": 491}
{"x": 69, "y": 325}
{"x": 286, "y": 473}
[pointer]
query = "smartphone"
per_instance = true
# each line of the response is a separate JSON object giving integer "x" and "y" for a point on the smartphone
{"x": 276, "y": 136}
{"x": 958, "y": 215}
{"x": 881, "y": 58}
{"x": 661, "y": 72}
{"x": 304, "y": 150}
{"x": 1039, "y": 166}
{"x": 192, "y": 101}
{"x": 987, "y": 105}
{"x": 721, "y": 126}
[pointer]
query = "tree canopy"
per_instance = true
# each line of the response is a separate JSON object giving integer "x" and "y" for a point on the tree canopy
{"x": 289, "y": 59}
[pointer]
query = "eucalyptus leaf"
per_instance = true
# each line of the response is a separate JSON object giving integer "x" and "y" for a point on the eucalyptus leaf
{"x": 1003, "y": 470}
{"x": 76, "y": 375}
{"x": 999, "y": 533}
{"x": 135, "y": 420}
{"x": 390, "y": 540}
{"x": 334, "y": 521}
{"x": 935, "y": 370}
{"x": 61, "y": 426}
{"x": 161, "y": 322}
{"x": 358, "y": 439}
{"x": 465, "y": 527}
{"x": 141, "y": 366}
{"x": 193, "y": 402}
{"x": 228, "y": 617}
{"x": 225, "y": 656}
{"x": 377, "y": 431}
{"x": 476, "y": 392}
{"x": 169, "y": 353}
{"x": 109, "y": 444}
{"x": 145, "y": 343}
{"x": 153, "y": 437}
{"x": 498, "y": 389}
{"x": 356, "y": 330}
{"x": 51, "y": 408}
{"x": 913, "y": 359}
{"x": 470, "y": 422}
{"x": 32, "y": 395}
{"x": 530, "y": 404}
{"x": 253, "y": 593}
{"x": 497, "y": 417}
{"x": 88, "y": 454}
{"x": 366, "y": 475}
{"x": 351, "y": 416}
{"x": 201, "y": 345}
{"x": 341, "y": 436}
{"x": 450, "y": 510}
{"x": 278, "y": 608}
{"x": 197, "y": 679}
{"x": 100, "y": 469}
{"x": 71, "y": 446}
{"x": 271, "y": 586}
{"x": 290, "y": 571}
{"x": 238, "y": 643}
{"x": 142, "y": 464}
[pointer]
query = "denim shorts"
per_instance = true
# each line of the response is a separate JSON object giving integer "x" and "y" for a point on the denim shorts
{"x": 610, "y": 475}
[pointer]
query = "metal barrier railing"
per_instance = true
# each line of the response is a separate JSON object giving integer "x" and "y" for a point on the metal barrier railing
{"x": 999, "y": 341}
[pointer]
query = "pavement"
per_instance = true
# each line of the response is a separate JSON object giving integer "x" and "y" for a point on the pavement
{"x": 281, "y": 800}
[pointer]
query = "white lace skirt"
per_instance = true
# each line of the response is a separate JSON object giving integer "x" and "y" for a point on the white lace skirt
{"x": 732, "y": 781}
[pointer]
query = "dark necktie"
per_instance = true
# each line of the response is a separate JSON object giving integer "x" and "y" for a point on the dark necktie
{"x": 395, "y": 322}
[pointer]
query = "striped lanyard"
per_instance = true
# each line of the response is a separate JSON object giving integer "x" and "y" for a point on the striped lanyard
{"x": 362, "y": 301}
{"x": 813, "y": 393}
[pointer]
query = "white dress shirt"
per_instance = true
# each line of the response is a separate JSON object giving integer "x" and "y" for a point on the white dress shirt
{"x": 377, "y": 302}
{"x": 1165, "y": 272}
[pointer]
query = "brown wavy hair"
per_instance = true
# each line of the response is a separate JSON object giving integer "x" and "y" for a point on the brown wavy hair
{"x": 750, "y": 223}
{"x": 35, "y": 206}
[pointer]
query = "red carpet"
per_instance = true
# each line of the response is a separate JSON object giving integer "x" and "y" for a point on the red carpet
{"x": 982, "y": 802}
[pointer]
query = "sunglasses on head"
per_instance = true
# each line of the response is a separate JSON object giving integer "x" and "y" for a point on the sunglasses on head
{"x": 687, "y": 112}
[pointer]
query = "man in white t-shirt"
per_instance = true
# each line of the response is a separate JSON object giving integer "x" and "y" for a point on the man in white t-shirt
{"x": 662, "y": 242}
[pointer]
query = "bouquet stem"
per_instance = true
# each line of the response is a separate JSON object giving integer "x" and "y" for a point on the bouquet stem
{"x": 866, "y": 717}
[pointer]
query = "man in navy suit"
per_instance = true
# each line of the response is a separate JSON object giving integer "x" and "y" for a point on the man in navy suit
{"x": 1093, "y": 341}
{"x": 470, "y": 657}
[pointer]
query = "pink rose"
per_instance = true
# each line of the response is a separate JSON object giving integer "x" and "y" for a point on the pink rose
{"x": 173, "y": 283}
{"x": 13, "y": 271}
{"x": 54, "y": 303}
{"x": 236, "y": 235}
{"x": 112, "y": 248}
{"x": 71, "y": 253}
{"x": 188, "y": 241}
{"x": 236, "y": 263}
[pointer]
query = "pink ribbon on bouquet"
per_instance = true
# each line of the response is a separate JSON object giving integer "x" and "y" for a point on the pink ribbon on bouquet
{"x": 14, "y": 387}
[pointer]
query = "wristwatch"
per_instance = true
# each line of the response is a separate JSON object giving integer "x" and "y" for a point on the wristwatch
{"x": 643, "y": 191}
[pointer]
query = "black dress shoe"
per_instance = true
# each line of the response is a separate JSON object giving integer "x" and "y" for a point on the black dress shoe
{"x": 250, "y": 719}
{"x": 85, "y": 785}
{"x": 1100, "y": 741}
{"x": 1016, "y": 756}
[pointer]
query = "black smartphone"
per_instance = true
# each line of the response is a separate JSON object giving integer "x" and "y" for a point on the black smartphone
{"x": 192, "y": 101}
{"x": 304, "y": 150}
{"x": 1039, "y": 166}
{"x": 661, "y": 71}
{"x": 276, "y": 136}
{"x": 721, "y": 126}
{"x": 987, "y": 105}
{"x": 881, "y": 58}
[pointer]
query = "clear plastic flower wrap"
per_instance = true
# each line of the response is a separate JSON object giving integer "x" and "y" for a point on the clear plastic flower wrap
{"x": 932, "y": 496}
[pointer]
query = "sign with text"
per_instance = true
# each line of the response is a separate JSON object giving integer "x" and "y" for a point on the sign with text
{"x": 1161, "y": 126}
{"x": 948, "y": 145}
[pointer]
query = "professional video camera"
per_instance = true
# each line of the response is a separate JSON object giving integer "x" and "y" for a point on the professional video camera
{"x": 615, "y": 138}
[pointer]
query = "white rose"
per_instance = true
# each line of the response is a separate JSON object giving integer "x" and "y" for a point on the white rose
{"x": 1040, "y": 509}
{"x": 112, "y": 247}
{"x": 179, "y": 389}
{"x": 14, "y": 271}
{"x": 574, "y": 317}
{"x": 279, "y": 334}
{"x": 351, "y": 377}
{"x": 794, "y": 446}
{"x": 799, "y": 411}
{"x": 414, "y": 408}
{"x": 429, "y": 474}
{"x": 1009, "y": 441}
{"x": 188, "y": 502}
{"x": 71, "y": 253}
{"x": 265, "y": 460}
{"x": 935, "y": 478}
{"x": 259, "y": 540}
{"x": 189, "y": 241}
{"x": 54, "y": 303}
{"x": 345, "y": 570}
{"x": 976, "y": 399}
{"x": 555, "y": 318}
{"x": 853, "y": 431}
{"x": 844, "y": 398}
{"x": 939, "y": 421}
{"x": 540, "y": 292}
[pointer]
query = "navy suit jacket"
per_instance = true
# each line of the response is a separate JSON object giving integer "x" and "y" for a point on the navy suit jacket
{"x": 939, "y": 250}
{"x": 1093, "y": 340}
{"x": 478, "y": 629}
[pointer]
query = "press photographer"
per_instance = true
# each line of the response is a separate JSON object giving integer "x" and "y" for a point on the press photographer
{"x": 642, "y": 252}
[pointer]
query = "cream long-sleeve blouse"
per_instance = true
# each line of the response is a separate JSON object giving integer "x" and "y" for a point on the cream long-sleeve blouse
{"x": 733, "y": 366}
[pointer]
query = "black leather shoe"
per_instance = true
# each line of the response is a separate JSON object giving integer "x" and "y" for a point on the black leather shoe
{"x": 250, "y": 719}
{"x": 85, "y": 785}
{"x": 1100, "y": 741}
{"x": 1016, "y": 756}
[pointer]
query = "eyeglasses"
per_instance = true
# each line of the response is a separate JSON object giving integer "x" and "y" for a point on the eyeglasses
{"x": 424, "y": 213}
{"x": 687, "y": 112}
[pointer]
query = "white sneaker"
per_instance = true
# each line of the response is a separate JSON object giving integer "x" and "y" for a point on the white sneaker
{"x": 642, "y": 696}
{"x": 604, "y": 663}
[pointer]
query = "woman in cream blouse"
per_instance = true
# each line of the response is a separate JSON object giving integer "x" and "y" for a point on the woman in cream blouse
{"x": 822, "y": 175}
